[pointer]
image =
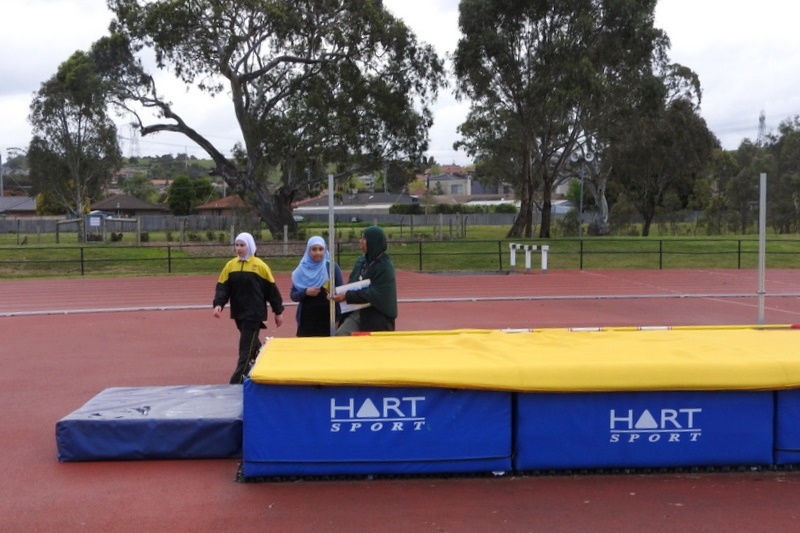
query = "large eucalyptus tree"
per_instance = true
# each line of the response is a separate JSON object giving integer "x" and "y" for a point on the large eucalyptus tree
{"x": 74, "y": 151}
{"x": 662, "y": 152}
{"x": 313, "y": 84}
{"x": 544, "y": 75}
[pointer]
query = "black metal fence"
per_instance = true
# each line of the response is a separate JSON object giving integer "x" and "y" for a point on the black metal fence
{"x": 420, "y": 255}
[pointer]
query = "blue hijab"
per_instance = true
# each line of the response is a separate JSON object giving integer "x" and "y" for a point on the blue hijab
{"x": 310, "y": 273}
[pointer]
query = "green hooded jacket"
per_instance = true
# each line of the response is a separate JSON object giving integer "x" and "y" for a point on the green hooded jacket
{"x": 376, "y": 266}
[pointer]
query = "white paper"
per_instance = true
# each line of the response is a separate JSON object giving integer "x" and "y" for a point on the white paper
{"x": 346, "y": 307}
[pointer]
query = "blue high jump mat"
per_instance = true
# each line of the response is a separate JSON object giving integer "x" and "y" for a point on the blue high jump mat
{"x": 643, "y": 429}
{"x": 787, "y": 427}
{"x": 172, "y": 422}
{"x": 348, "y": 430}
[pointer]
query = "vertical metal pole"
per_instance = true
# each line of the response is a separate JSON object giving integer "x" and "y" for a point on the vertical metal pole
{"x": 500, "y": 256}
{"x": 762, "y": 245}
{"x": 580, "y": 207}
{"x": 739, "y": 254}
{"x": 331, "y": 248}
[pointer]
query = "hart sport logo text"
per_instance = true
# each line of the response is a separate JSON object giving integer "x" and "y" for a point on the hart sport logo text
{"x": 384, "y": 414}
{"x": 665, "y": 425}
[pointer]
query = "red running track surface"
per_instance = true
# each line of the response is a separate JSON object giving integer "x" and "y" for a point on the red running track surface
{"x": 64, "y": 341}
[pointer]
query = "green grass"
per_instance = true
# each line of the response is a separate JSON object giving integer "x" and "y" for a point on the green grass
{"x": 486, "y": 249}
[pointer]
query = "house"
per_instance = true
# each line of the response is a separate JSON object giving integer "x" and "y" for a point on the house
{"x": 449, "y": 184}
{"x": 223, "y": 207}
{"x": 458, "y": 181}
{"x": 456, "y": 170}
{"x": 17, "y": 206}
{"x": 125, "y": 205}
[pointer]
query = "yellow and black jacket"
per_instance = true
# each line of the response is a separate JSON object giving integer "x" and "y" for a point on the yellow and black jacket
{"x": 249, "y": 286}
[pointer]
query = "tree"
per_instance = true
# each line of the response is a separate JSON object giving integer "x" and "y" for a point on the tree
{"x": 203, "y": 191}
{"x": 313, "y": 85}
{"x": 167, "y": 167}
{"x": 783, "y": 189}
{"x": 74, "y": 151}
{"x": 709, "y": 192}
{"x": 542, "y": 76}
{"x": 181, "y": 196}
{"x": 139, "y": 186}
{"x": 185, "y": 194}
{"x": 661, "y": 152}
{"x": 741, "y": 189}
{"x": 489, "y": 135}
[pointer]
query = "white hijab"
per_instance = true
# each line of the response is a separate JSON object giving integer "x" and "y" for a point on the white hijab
{"x": 250, "y": 242}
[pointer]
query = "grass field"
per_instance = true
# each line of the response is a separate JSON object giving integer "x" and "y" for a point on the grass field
{"x": 486, "y": 249}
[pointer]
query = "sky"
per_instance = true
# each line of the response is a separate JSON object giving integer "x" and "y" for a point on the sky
{"x": 745, "y": 54}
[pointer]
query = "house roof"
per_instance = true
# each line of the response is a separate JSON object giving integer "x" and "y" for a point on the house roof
{"x": 229, "y": 202}
{"x": 17, "y": 204}
{"x": 447, "y": 176}
{"x": 451, "y": 169}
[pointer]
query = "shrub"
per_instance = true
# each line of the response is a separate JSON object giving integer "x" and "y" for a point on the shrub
{"x": 569, "y": 224}
{"x": 505, "y": 208}
{"x": 405, "y": 209}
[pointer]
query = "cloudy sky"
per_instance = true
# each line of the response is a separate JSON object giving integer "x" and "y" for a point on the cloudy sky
{"x": 744, "y": 52}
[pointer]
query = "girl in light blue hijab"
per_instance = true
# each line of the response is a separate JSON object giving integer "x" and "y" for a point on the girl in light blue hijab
{"x": 310, "y": 289}
{"x": 312, "y": 271}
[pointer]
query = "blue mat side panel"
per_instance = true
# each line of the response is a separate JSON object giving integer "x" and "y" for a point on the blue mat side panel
{"x": 180, "y": 422}
{"x": 786, "y": 457}
{"x": 787, "y": 427}
{"x": 349, "y": 430}
{"x": 643, "y": 429}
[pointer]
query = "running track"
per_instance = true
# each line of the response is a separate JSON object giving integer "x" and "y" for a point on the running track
{"x": 63, "y": 341}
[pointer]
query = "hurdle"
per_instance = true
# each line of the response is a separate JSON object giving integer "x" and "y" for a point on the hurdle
{"x": 529, "y": 248}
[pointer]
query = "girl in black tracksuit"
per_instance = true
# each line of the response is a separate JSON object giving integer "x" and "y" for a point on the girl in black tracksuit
{"x": 248, "y": 284}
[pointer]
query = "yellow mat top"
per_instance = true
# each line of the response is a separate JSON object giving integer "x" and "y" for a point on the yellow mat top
{"x": 549, "y": 360}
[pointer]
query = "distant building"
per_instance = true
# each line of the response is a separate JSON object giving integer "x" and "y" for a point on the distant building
{"x": 452, "y": 184}
{"x": 125, "y": 205}
{"x": 17, "y": 207}
{"x": 224, "y": 207}
{"x": 354, "y": 205}
{"x": 455, "y": 170}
